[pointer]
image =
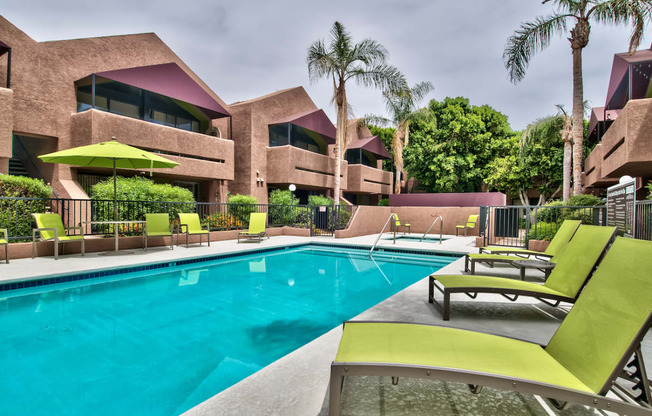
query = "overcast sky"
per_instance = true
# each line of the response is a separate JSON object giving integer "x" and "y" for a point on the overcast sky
{"x": 248, "y": 48}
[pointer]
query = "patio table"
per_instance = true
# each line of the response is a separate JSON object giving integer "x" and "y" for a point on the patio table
{"x": 116, "y": 251}
{"x": 545, "y": 266}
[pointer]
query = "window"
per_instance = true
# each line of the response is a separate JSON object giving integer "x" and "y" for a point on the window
{"x": 288, "y": 133}
{"x": 360, "y": 157}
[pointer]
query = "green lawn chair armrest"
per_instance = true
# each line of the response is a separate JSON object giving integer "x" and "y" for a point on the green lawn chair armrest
{"x": 35, "y": 230}
{"x": 4, "y": 231}
{"x": 180, "y": 228}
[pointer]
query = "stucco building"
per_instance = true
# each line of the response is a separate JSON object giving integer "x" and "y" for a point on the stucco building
{"x": 623, "y": 127}
{"x": 68, "y": 93}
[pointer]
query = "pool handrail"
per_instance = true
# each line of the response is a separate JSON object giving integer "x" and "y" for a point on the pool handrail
{"x": 441, "y": 228}
{"x": 392, "y": 215}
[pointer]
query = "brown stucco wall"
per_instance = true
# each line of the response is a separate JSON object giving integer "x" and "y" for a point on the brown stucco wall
{"x": 6, "y": 122}
{"x": 288, "y": 164}
{"x": 94, "y": 126}
{"x": 634, "y": 155}
{"x": 370, "y": 220}
{"x": 364, "y": 179}
{"x": 44, "y": 103}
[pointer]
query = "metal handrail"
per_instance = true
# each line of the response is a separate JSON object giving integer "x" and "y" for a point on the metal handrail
{"x": 441, "y": 228}
{"x": 382, "y": 231}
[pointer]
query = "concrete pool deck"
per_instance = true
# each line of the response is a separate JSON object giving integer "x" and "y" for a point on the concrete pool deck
{"x": 297, "y": 384}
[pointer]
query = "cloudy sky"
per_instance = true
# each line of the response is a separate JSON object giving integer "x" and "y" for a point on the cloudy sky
{"x": 248, "y": 48}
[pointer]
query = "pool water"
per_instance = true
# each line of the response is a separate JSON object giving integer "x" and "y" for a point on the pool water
{"x": 161, "y": 341}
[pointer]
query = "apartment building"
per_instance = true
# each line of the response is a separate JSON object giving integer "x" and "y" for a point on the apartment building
{"x": 62, "y": 94}
{"x": 622, "y": 129}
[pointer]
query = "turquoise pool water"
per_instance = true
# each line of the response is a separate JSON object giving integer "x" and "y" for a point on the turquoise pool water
{"x": 159, "y": 342}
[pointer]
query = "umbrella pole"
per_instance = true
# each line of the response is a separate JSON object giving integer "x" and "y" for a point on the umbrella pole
{"x": 115, "y": 195}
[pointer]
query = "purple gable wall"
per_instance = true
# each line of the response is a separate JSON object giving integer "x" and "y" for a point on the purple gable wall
{"x": 468, "y": 199}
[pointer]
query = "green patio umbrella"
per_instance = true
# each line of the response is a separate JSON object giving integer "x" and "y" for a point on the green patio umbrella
{"x": 111, "y": 154}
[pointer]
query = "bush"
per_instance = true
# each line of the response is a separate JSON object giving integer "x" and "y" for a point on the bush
{"x": 23, "y": 187}
{"x": 544, "y": 231}
{"x": 241, "y": 207}
{"x": 383, "y": 202}
{"x": 222, "y": 221}
{"x": 282, "y": 208}
{"x": 15, "y": 215}
{"x": 320, "y": 200}
{"x": 649, "y": 189}
{"x": 584, "y": 201}
{"x": 144, "y": 196}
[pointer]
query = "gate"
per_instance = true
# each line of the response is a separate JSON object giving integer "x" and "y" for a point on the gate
{"x": 324, "y": 220}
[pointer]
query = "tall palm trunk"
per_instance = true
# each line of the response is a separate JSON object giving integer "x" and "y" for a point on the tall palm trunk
{"x": 397, "y": 149}
{"x": 566, "y": 137}
{"x": 342, "y": 110}
{"x": 579, "y": 39}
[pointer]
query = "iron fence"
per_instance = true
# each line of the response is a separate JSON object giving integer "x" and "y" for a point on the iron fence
{"x": 15, "y": 215}
{"x": 643, "y": 226}
{"x": 516, "y": 225}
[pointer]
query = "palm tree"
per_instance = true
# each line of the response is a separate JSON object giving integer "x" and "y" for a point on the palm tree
{"x": 364, "y": 62}
{"x": 402, "y": 108}
{"x": 535, "y": 36}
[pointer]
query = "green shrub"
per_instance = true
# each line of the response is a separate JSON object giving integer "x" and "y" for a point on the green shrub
{"x": 549, "y": 215}
{"x": 543, "y": 231}
{"x": 147, "y": 197}
{"x": 649, "y": 189}
{"x": 282, "y": 207}
{"x": 320, "y": 200}
{"x": 584, "y": 200}
{"x": 15, "y": 215}
{"x": 23, "y": 187}
{"x": 383, "y": 202}
{"x": 241, "y": 207}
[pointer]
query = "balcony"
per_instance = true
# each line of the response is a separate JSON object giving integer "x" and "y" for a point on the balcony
{"x": 593, "y": 170}
{"x": 367, "y": 180}
{"x": 627, "y": 146}
{"x": 6, "y": 121}
{"x": 199, "y": 156}
{"x": 288, "y": 164}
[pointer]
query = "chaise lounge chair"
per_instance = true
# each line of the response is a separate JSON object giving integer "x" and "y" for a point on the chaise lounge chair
{"x": 586, "y": 355}
{"x": 192, "y": 226}
{"x": 157, "y": 225}
{"x": 563, "y": 235}
{"x": 256, "y": 230}
{"x": 50, "y": 228}
{"x": 5, "y": 242}
{"x": 563, "y": 285}
{"x": 470, "y": 224}
{"x": 555, "y": 249}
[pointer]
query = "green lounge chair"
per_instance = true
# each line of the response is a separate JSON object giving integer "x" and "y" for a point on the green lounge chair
{"x": 189, "y": 225}
{"x": 157, "y": 225}
{"x": 398, "y": 225}
{"x": 49, "y": 227}
{"x": 470, "y": 224}
{"x": 586, "y": 355}
{"x": 5, "y": 242}
{"x": 561, "y": 238}
{"x": 256, "y": 230}
{"x": 564, "y": 283}
{"x": 554, "y": 251}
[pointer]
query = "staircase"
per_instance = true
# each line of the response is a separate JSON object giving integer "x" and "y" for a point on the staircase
{"x": 17, "y": 168}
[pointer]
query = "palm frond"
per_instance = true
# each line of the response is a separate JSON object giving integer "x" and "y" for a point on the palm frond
{"x": 383, "y": 76}
{"x": 530, "y": 38}
{"x": 370, "y": 52}
{"x": 376, "y": 120}
{"x": 546, "y": 130}
{"x": 320, "y": 62}
{"x": 634, "y": 12}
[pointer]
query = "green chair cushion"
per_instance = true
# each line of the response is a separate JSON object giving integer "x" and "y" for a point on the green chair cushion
{"x": 257, "y": 223}
{"x": 414, "y": 344}
{"x": 3, "y": 241}
{"x": 49, "y": 220}
{"x": 158, "y": 224}
{"x": 494, "y": 257}
{"x": 191, "y": 220}
{"x": 490, "y": 282}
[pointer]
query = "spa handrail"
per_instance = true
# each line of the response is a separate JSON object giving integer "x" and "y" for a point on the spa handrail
{"x": 441, "y": 228}
{"x": 381, "y": 233}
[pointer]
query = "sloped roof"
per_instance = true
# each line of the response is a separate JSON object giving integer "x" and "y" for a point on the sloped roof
{"x": 169, "y": 80}
{"x": 618, "y": 81}
{"x": 371, "y": 144}
{"x": 315, "y": 120}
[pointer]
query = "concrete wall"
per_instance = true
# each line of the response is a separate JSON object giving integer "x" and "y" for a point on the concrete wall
{"x": 468, "y": 199}
{"x": 365, "y": 179}
{"x": 6, "y": 123}
{"x": 370, "y": 220}
{"x": 308, "y": 170}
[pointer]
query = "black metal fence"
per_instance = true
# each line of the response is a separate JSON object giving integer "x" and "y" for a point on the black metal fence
{"x": 516, "y": 225}
{"x": 15, "y": 215}
{"x": 643, "y": 226}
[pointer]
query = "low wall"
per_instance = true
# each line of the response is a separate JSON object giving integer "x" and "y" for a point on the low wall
{"x": 100, "y": 244}
{"x": 370, "y": 220}
{"x": 451, "y": 199}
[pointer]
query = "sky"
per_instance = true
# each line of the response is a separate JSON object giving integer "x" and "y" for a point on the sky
{"x": 248, "y": 48}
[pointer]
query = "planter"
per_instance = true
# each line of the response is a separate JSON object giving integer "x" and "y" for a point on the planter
{"x": 538, "y": 245}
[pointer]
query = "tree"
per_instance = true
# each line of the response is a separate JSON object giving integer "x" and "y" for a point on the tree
{"x": 364, "y": 62}
{"x": 535, "y": 36}
{"x": 402, "y": 108}
{"x": 450, "y": 151}
{"x": 534, "y": 161}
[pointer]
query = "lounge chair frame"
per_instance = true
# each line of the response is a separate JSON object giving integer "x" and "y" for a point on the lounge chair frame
{"x": 397, "y": 224}
{"x": 56, "y": 239}
{"x": 469, "y": 264}
{"x": 339, "y": 370}
{"x": 248, "y": 235}
{"x": 6, "y": 243}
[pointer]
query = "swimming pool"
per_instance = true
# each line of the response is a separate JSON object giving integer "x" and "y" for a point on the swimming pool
{"x": 161, "y": 340}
